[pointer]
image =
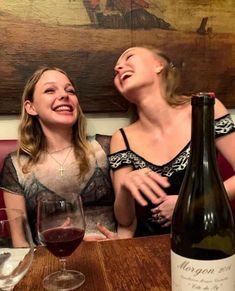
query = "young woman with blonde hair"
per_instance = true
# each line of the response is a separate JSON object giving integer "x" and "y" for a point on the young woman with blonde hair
{"x": 54, "y": 155}
{"x": 149, "y": 157}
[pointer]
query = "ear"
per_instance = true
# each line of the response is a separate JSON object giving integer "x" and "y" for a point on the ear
{"x": 29, "y": 107}
{"x": 158, "y": 67}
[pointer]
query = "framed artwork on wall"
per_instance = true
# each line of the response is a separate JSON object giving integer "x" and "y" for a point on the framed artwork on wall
{"x": 85, "y": 38}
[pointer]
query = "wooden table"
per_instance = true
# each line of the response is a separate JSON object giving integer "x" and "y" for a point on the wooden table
{"x": 129, "y": 264}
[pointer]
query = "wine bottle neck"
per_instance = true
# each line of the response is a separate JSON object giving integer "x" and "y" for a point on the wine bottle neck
{"x": 203, "y": 137}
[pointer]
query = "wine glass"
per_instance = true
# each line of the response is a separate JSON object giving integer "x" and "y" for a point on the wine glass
{"x": 61, "y": 228}
{"x": 16, "y": 247}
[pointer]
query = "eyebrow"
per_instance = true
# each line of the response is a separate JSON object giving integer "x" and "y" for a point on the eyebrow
{"x": 52, "y": 83}
{"x": 123, "y": 55}
{"x": 126, "y": 52}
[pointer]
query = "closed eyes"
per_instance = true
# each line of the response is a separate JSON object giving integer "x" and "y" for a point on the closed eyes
{"x": 68, "y": 90}
{"x": 129, "y": 56}
{"x": 49, "y": 90}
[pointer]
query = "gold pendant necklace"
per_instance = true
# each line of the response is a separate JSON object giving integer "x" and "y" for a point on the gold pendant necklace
{"x": 61, "y": 168}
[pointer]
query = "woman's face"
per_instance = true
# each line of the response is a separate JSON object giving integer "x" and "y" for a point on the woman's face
{"x": 135, "y": 69}
{"x": 54, "y": 100}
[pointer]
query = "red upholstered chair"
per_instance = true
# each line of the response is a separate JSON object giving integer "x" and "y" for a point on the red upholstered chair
{"x": 226, "y": 171}
{"x": 6, "y": 147}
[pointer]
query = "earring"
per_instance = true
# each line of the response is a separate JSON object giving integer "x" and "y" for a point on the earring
{"x": 158, "y": 71}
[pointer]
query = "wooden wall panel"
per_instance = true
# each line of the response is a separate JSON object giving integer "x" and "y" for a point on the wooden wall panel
{"x": 85, "y": 38}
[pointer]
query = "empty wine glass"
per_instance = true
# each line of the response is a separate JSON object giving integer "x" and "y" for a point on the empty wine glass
{"x": 61, "y": 228}
{"x": 16, "y": 247}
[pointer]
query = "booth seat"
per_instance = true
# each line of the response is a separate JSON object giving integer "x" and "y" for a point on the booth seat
{"x": 7, "y": 146}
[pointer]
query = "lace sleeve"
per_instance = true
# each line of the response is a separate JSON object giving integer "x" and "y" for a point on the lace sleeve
{"x": 224, "y": 125}
{"x": 9, "y": 179}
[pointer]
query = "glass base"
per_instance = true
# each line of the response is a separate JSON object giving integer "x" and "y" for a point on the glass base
{"x": 63, "y": 280}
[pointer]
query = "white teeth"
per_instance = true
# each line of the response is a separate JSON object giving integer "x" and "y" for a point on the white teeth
{"x": 126, "y": 75}
{"x": 63, "y": 108}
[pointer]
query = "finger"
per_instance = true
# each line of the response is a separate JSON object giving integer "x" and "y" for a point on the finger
{"x": 155, "y": 187}
{"x": 92, "y": 238}
{"x": 154, "y": 181}
{"x": 67, "y": 222}
{"x": 160, "y": 219}
{"x": 155, "y": 210}
{"x": 168, "y": 223}
{"x": 147, "y": 187}
{"x": 137, "y": 194}
{"x": 107, "y": 233}
{"x": 147, "y": 191}
{"x": 161, "y": 180}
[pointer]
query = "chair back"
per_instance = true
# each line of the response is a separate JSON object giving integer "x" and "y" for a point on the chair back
{"x": 6, "y": 147}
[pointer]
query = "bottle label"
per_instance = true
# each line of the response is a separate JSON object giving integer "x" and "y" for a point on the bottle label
{"x": 189, "y": 274}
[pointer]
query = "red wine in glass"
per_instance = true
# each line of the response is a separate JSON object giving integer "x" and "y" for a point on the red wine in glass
{"x": 61, "y": 228}
{"x": 62, "y": 241}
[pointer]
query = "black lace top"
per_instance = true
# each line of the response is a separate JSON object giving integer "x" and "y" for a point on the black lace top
{"x": 174, "y": 169}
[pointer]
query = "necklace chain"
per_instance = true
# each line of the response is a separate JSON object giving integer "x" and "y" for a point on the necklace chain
{"x": 61, "y": 169}
{"x": 50, "y": 153}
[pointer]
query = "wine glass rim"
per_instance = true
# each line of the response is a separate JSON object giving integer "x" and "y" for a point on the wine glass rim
{"x": 5, "y": 209}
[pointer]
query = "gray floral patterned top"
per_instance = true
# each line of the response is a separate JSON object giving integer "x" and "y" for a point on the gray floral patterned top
{"x": 96, "y": 189}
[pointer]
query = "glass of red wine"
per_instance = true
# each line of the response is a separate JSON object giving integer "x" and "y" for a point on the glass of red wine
{"x": 61, "y": 228}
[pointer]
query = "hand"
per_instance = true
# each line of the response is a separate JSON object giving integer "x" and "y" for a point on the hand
{"x": 66, "y": 223}
{"x": 164, "y": 211}
{"x": 148, "y": 183}
{"x": 106, "y": 234}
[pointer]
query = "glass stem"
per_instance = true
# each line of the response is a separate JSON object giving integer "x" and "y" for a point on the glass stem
{"x": 63, "y": 264}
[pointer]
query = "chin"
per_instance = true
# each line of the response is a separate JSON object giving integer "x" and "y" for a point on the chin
{"x": 67, "y": 120}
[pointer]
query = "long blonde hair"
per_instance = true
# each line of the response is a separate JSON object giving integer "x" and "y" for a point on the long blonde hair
{"x": 32, "y": 141}
{"x": 171, "y": 79}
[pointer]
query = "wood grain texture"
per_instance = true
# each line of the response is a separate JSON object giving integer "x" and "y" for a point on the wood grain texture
{"x": 200, "y": 41}
{"x": 119, "y": 265}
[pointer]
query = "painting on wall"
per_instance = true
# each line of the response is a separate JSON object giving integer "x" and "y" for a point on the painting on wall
{"x": 85, "y": 38}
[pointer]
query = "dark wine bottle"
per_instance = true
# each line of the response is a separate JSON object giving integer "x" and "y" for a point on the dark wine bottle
{"x": 202, "y": 233}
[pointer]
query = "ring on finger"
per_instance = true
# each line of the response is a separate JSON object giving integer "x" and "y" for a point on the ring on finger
{"x": 159, "y": 217}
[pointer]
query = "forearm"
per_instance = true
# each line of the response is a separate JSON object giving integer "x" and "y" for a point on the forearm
{"x": 230, "y": 187}
{"x": 127, "y": 231}
{"x": 124, "y": 208}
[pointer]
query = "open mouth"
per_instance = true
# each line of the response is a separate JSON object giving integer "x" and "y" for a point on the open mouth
{"x": 61, "y": 108}
{"x": 126, "y": 75}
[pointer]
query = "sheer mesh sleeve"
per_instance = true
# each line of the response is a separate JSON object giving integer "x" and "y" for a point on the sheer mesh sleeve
{"x": 224, "y": 125}
{"x": 9, "y": 179}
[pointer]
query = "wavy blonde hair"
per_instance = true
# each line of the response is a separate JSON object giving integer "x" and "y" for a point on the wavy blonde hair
{"x": 32, "y": 141}
{"x": 171, "y": 79}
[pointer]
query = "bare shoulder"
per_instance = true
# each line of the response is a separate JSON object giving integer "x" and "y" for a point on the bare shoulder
{"x": 117, "y": 140}
{"x": 220, "y": 109}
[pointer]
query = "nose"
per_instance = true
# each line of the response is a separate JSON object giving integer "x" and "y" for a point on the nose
{"x": 63, "y": 95}
{"x": 118, "y": 67}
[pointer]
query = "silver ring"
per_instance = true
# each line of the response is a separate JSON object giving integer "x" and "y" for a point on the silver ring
{"x": 159, "y": 217}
